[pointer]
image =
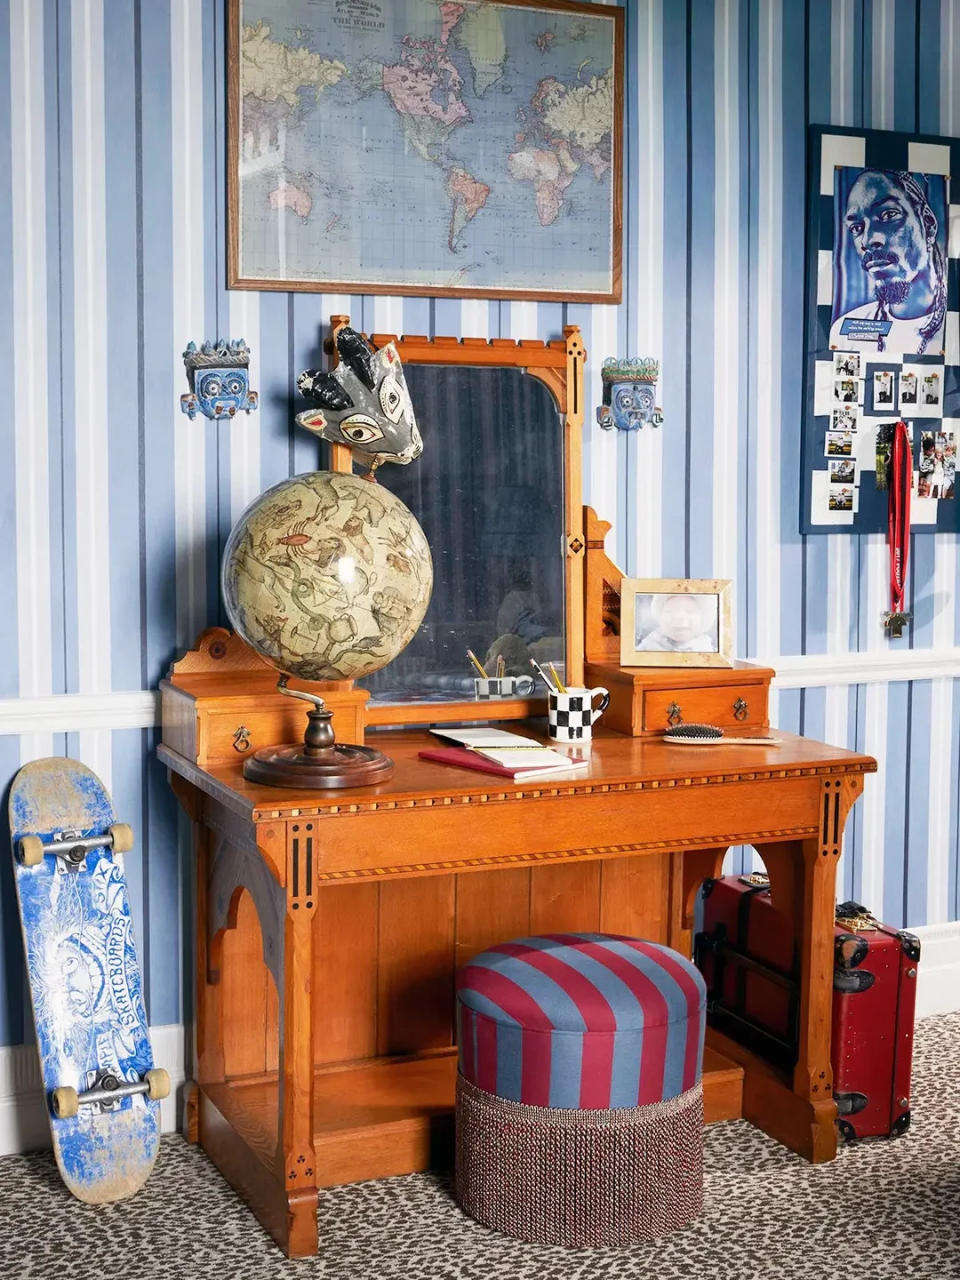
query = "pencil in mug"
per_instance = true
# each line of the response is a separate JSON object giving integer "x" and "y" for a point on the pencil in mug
{"x": 477, "y": 663}
{"x": 543, "y": 675}
{"x": 561, "y": 687}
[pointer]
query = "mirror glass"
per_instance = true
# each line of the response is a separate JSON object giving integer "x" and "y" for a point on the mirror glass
{"x": 488, "y": 491}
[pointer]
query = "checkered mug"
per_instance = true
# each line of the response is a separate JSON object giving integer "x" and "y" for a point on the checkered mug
{"x": 570, "y": 715}
{"x": 502, "y": 687}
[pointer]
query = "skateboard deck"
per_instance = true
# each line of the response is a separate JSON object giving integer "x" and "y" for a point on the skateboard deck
{"x": 85, "y": 983}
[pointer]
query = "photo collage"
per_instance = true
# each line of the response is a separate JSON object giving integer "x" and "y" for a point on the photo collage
{"x": 863, "y": 401}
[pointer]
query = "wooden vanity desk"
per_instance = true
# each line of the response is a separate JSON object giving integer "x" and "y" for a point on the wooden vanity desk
{"x": 329, "y": 927}
{"x": 330, "y": 924}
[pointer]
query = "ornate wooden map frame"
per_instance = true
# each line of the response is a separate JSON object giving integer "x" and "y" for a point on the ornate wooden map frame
{"x": 559, "y": 366}
{"x": 566, "y": 292}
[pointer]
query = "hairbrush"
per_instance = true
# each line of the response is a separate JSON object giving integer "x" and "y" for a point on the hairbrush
{"x": 709, "y": 735}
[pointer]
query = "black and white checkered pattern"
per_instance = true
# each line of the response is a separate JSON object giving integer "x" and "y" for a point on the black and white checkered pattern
{"x": 880, "y": 149}
{"x": 570, "y": 718}
{"x": 487, "y": 690}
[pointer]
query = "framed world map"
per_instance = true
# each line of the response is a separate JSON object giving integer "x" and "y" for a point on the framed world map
{"x": 471, "y": 148}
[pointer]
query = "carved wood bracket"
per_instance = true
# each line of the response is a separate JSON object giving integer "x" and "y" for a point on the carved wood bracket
{"x": 234, "y": 869}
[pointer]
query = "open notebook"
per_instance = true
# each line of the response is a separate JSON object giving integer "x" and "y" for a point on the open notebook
{"x": 499, "y": 751}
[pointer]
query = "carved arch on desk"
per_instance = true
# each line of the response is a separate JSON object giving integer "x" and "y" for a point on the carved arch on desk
{"x": 233, "y": 872}
{"x": 783, "y": 865}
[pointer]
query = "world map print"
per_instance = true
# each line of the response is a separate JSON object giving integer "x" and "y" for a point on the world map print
{"x": 463, "y": 145}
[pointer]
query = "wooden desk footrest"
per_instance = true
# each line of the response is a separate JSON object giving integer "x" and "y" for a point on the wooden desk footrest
{"x": 769, "y": 1102}
{"x": 382, "y": 1118}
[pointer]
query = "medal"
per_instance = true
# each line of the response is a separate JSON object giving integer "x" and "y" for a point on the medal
{"x": 898, "y": 527}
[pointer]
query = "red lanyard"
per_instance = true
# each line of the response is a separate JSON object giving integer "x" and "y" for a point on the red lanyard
{"x": 898, "y": 524}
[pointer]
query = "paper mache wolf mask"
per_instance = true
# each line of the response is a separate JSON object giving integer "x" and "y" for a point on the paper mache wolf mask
{"x": 363, "y": 403}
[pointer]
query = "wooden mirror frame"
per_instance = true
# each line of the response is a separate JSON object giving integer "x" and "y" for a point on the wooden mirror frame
{"x": 559, "y": 366}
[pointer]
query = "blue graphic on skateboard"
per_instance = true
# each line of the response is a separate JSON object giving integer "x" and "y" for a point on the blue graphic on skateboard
{"x": 95, "y": 1058}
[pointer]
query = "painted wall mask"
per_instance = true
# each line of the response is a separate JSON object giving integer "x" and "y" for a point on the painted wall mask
{"x": 629, "y": 394}
{"x": 218, "y": 374}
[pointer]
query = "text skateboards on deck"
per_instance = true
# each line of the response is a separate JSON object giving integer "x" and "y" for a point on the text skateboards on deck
{"x": 100, "y": 1083}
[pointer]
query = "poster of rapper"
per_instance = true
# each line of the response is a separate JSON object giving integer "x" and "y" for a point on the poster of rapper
{"x": 889, "y": 261}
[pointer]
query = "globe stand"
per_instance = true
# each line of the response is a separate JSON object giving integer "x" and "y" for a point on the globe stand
{"x": 319, "y": 762}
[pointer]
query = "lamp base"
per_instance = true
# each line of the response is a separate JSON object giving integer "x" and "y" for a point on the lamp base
{"x": 318, "y": 762}
{"x": 343, "y": 765}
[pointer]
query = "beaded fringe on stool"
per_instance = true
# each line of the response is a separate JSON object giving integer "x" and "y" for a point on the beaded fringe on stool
{"x": 552, "y": 1175}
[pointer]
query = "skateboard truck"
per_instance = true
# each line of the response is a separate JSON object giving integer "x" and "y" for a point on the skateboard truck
{"x": 72, "y": 846}
{"x": 107, "y": 1090}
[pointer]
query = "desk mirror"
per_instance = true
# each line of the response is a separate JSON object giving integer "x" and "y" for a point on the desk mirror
{"x": 494, "y": 493}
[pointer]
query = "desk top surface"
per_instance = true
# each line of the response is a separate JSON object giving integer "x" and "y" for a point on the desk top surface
{"x": 614, "y": 759}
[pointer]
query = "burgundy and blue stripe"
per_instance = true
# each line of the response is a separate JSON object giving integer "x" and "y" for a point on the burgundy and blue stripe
{"x": 584, "y": 1020}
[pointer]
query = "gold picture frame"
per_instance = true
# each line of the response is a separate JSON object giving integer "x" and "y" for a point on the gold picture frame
{"x": 692, "y": 630}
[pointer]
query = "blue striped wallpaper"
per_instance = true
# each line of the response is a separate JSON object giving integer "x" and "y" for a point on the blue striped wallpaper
{"x": 113, "y": 506}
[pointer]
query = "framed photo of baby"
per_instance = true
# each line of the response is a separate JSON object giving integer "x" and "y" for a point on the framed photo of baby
{"x": 675, "y": 622}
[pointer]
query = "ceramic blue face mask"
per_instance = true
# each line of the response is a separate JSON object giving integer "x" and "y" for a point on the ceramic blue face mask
{"x": 629, "y": 394}
{"x": 219, "y": 378}
{"x": 363, "y": 403}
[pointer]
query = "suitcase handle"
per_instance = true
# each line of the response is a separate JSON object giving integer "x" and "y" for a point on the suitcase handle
{"x": 719, "y": 946}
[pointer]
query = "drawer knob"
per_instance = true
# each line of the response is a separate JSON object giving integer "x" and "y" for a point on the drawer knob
{"x": 674, "y": 714}
{"x": 740, "y": 709}
{"x": 241, "y": 739}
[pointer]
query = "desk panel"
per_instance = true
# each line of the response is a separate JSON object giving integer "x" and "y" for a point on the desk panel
{"x": 537, "y": 825}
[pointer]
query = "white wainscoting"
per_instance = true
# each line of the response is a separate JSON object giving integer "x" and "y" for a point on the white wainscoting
{"x": 140, "y": 709}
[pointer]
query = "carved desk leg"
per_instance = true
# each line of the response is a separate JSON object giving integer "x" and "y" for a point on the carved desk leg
{"x": 208, "y": 1062}
{"x": 803, "y": 885}
{"x": 296, "y": 1044}
{"x": 813, "y": 1074}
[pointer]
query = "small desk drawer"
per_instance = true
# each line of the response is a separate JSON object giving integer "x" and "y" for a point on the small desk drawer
{"x": 217, "y": 731}
{"x": 726, "y": 706}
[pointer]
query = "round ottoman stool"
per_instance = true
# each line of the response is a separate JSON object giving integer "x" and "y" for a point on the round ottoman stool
{"x": 579, "y": 1102}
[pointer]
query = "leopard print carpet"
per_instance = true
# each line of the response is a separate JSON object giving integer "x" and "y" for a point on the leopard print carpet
{"x": 884, "y": 1210}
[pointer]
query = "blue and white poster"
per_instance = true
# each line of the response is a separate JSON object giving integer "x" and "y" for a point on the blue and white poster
{"x": 889, "y": 261}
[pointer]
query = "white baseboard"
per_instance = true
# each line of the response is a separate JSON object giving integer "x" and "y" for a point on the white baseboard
{"x": 23, "y": 1110}
{"x": 938, "y": 975}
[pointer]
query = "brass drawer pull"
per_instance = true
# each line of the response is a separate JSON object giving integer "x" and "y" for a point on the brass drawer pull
{"x": 674, "y": 714}
{"x": 740, "y": 709}
{"x": 241, "y": 739}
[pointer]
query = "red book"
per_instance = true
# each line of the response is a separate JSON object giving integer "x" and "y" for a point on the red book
{"x": 467, "y": 759}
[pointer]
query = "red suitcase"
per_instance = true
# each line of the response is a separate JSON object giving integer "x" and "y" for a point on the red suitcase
{"x": 874, "y": 998}
{"x": 746, "y": 952}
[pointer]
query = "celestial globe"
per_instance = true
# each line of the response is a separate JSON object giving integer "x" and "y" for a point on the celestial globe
{"x": 327, "y": 576}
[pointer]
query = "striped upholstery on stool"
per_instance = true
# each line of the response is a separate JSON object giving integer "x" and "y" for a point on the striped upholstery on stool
{"x": 579, "y": 1105}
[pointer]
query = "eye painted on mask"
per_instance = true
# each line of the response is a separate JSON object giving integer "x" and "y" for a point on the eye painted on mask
{"x": 235, "y": 386}
{"x": 359, "y": 429}
{"x": 625, "y": 398}
{"x": 391, "y": 399}
{"x": 210, "y": 386}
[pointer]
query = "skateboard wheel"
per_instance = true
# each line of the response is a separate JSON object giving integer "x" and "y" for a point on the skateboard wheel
{"x": 158, "y": 1083}
{"x": 66, "y": 1102}
{"x": 31, "y": 851}
{"x": 122, "y": 836}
